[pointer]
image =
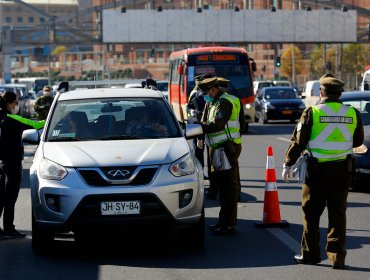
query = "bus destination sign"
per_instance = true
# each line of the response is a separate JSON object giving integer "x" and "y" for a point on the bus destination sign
{"x": 217, "y": 58}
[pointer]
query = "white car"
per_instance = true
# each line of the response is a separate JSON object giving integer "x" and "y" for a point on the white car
{"x": 311, "y": 93}
{"x": 109, "y": 158}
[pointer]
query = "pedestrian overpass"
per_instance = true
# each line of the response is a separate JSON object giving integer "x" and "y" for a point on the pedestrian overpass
{"x": 229, "y": 26}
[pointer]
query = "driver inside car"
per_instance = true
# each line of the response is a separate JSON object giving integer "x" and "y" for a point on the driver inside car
{"x": 147, "y": 125}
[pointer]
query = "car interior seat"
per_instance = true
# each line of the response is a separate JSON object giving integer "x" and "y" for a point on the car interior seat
{"x": 105, "y": 125}
{"x": 135, "y": 114}
{"x": 82, "y": 124}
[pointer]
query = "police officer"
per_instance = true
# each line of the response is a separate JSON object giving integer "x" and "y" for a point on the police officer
{"x": 328, "y": 132}
{"x": 194, "y": 109}
{"x": 11, "y": 156}
{"x": 43, "y": 103}
{"x": 222, "y": 122}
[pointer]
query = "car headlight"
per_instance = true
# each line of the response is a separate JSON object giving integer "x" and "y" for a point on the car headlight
{"x": 249, "y": 106}
{"x": 360, "y": 150}
{"x": 182, "y": 167}
{"x": 52, "y": 171}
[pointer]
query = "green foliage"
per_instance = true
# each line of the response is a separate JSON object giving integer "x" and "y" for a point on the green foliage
{"x": 355, "y": 58}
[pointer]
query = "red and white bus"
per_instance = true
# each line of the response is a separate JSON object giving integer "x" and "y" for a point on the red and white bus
{"x": 231, "y": 63}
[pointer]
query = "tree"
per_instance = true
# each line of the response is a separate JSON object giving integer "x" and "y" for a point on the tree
{"x": 286, "y": 58}
{"x": 59, "y": 50}
{"x": 355, "y": 58}
{"x": 318, "y": 67}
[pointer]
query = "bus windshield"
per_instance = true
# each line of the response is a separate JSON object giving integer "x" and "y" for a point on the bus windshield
{"x": 239, "y": 85}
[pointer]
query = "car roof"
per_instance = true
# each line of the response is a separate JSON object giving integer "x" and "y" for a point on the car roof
{"x": 109, "y": 93}
{"x": 276, "y": 88}
{"x": 356, "y": 95}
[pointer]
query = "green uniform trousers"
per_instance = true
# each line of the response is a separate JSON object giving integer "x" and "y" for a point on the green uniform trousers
{"x": 326, "y": 185}
{"x": 229, "y": 184}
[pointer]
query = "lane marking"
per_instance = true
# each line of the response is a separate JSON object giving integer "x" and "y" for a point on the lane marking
{"x": 289, "y": 241}
{"x": 284, "y": 139}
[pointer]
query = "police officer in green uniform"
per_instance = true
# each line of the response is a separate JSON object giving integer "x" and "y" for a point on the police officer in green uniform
{"x": 43, "y": 103}
{"x": 222, "y": 122}
{"x": 11, "y": 156}
{"x": 327, "y": 132}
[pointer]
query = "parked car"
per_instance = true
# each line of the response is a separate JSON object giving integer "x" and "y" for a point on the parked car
{"x": 110, "y": 160}
{"x": 361, "y": 101}
{"x": 311, "y": 93}
{"x": 258, "y": 85}
{"x": 24, "y": 98}
{"x": 278, "y": 103}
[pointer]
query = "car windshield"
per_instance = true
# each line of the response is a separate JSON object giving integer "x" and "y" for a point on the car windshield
{"x": 363, "y": 106}
{"x": 112, "y": 119}
{"x": 280, "y": 94}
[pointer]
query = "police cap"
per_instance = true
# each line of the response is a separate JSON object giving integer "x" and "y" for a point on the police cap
{"x": 331, "y": 84}
{"x": 222, "y": 82}
{"x": 207, "y": 84}
{"x": 203, "y": 76}
{"x": 46, "y": 88}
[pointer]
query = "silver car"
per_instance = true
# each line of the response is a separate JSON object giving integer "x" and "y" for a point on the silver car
{"x": 112, "y": 159}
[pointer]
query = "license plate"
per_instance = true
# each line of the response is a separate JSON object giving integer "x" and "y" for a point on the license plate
{"x": 120, "y": 207}
{"x": 287, "y": 112}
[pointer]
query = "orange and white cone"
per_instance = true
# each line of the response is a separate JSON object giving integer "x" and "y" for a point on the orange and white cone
{"x": 271, "y": 209}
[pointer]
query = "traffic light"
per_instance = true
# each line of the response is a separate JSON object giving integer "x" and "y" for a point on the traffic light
{"x": 277, "y": 61}
{"x": 152, "y": 52}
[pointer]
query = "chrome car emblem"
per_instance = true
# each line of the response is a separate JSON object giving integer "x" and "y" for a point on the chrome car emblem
{"x": 118, "y": 173}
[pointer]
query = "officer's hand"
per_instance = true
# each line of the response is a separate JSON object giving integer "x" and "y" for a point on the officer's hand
{"x": 194, "y": 114}
{"x": 286, "y": 173}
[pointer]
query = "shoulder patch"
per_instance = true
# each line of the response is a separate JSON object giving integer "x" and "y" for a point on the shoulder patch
{"x": 219, "y": 115}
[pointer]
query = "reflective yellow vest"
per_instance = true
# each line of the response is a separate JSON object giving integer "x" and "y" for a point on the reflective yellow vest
{"x": 232, "y": 130}
{"x": 332, "y": 131}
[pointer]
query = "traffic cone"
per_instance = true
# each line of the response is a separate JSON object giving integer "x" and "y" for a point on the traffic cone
{"x": 271, "y": 209}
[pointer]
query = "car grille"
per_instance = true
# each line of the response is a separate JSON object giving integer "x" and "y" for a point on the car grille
{"x": 93, "y": 178}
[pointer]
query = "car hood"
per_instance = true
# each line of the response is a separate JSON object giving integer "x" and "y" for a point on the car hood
{"x": 115, "y": 153}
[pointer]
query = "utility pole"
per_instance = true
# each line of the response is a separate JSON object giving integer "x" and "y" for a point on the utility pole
{"x": 293, "y": 65}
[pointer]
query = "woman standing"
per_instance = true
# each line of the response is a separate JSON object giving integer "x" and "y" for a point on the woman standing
{"x": 11, "y": 156}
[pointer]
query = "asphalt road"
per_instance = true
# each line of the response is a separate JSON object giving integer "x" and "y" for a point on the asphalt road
{"x": 253, "y": 253}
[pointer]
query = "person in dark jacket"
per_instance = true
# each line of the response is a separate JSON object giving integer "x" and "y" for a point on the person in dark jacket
{"x": 11, "y": 156}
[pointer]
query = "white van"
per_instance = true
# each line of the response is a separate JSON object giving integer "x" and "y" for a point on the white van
{"x": 311, "y": 93}
{"x": 365, "y": 84}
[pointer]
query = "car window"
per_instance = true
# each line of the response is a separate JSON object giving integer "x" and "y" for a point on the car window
{"x": 363, "y": 106}
{"x": 112, "y": 118}
{"x": 280, "y": 94}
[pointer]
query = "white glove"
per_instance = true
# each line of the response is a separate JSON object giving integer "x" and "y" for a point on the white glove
{"x": 194, "y": 114}
{"x": 286, "y": 173}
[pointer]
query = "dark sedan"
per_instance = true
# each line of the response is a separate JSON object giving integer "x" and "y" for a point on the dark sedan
{"x": 278, "y": 103}
{"x": 361, "y": 101}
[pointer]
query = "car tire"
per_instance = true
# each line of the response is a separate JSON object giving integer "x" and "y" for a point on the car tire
{"x": 193, "y": 236}
{"x": 41, "y": 239}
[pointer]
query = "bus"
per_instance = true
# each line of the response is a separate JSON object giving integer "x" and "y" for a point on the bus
{"x": 35, "y": 84}
{"x": 231, "y": 63}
